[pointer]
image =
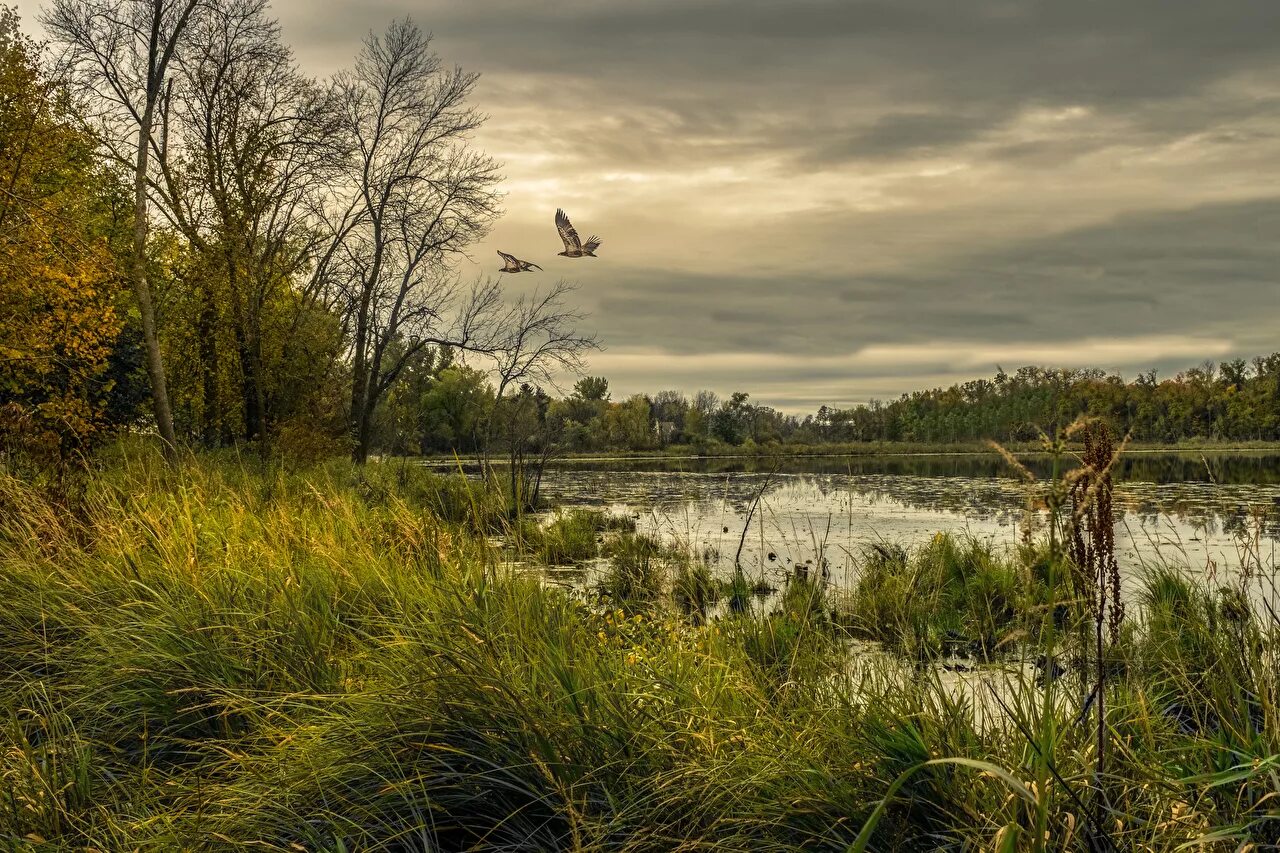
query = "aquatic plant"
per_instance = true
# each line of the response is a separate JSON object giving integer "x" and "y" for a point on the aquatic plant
{"x": 949, "y": 596}
{"x": 693, "y": 590}
{"x": 637, "y": 573}
{"x": 793, "y": 643}
{"x": 570, "y": 537}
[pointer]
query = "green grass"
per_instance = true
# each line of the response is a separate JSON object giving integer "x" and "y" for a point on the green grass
{"x": 694, "y": 591}
{"x": 950, "y": 596}
{"x": 230, "y": 656}
{"x": 639, "y": 570}
{"x": 572, "y": 536}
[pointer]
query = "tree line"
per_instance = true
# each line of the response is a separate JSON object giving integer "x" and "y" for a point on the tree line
{"x": 200, "y": 240}
{"x": 444, "y": 406}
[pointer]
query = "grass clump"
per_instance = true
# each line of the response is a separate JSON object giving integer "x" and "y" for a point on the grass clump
{"x": 694, "y": 591}
{"x": 794, "y": 643}
{"x": 951, "y": 596}
{"x": 570, "y": 537}
{"x": 636, "y": 577}
{"x": 573, "y": 536}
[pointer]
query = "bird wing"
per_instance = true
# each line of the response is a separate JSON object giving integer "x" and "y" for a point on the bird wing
{"x": 593, "y": 243}
{"x": 528, "y": 264}
{"x": 509, "y": 261}
{"x": 567, "y": 234}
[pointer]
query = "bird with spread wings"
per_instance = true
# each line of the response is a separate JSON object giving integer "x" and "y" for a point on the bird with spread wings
{"x": 510, "y": 263}
{"x": 573, "y": 246}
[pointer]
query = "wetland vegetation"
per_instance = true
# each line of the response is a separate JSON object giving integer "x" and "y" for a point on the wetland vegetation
{"x": 228, "y": 652}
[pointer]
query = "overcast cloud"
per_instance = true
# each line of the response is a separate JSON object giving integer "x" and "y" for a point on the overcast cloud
{"x": 822, "y": 202}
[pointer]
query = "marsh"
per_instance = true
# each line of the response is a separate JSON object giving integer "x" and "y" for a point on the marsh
{"x": 1199, "y": 510}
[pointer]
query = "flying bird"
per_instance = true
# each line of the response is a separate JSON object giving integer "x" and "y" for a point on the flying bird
{"x": 510, "y": 263}
{"x": 574, "y": 247}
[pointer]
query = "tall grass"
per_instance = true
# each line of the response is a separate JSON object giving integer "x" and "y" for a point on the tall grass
{"x": 231, "y": 656}
{"x": 950, "y": 596}
{"x": 572, "y": 536}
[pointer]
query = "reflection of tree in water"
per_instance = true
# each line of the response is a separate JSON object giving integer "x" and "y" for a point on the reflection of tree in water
{"x": 1233, "y": 509}
{"x": 1240, "y": 468}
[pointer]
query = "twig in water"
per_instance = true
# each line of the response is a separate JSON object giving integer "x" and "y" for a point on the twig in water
{"x": 737, "y": 557}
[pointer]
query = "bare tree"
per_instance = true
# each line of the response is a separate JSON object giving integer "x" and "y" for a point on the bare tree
{"x": 358, "y": 199}
{"x": 422, "y": 197}
{"x": 250, "y": 150}
{"x": 119, "y": 52}
{"x": 539, "y": 339}
{"x": 705, "y": 402}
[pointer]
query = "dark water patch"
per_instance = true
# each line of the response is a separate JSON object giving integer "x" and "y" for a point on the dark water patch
{"x": 1223, "y": 467}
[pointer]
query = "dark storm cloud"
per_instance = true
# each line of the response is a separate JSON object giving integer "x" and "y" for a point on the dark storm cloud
{"x": 1211, "y": 270}
{"x": 956, "y": 67}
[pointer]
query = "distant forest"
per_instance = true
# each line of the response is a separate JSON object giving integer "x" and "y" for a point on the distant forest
{"x": 442, "y": 405}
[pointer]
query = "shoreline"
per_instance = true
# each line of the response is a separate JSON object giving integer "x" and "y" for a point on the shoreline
{"x": 880, "y": 451}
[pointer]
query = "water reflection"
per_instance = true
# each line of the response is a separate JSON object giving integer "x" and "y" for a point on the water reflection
{"x": 825, "y": 511}
{"x": 1261, "y": 467}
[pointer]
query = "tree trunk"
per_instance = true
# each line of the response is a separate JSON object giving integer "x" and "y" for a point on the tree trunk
{"x": 359, "y": 391}
{"x": 250, "y": 374}
{"x": 248, "y": 386}
{"x": 207, "y": 332}
{"x": 364, "y": 430}
{"x": 142, "y": 288}
{"x": 259, "y": 371}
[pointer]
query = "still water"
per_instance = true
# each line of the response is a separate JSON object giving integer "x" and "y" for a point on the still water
{"x": 1212, "y": 513}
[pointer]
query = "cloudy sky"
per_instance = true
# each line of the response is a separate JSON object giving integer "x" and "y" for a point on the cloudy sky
{"x": 826, "y": 201}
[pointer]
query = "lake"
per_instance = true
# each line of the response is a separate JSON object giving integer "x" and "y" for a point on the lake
{"x": 1212, "y": 512}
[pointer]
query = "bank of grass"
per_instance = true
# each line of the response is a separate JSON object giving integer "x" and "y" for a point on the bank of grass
{"x": 224, "y": 657}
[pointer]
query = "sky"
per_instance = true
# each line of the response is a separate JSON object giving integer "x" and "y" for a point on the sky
{"x": 828, "y": 201}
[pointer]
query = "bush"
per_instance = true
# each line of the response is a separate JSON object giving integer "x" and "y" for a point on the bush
{"x": 302, "y": 445}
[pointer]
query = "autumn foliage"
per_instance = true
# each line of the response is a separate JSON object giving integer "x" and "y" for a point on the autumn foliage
{"x": 58, "y": 319}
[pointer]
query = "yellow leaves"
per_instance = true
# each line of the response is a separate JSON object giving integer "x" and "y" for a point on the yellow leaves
{"x": 57, "y": 318}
